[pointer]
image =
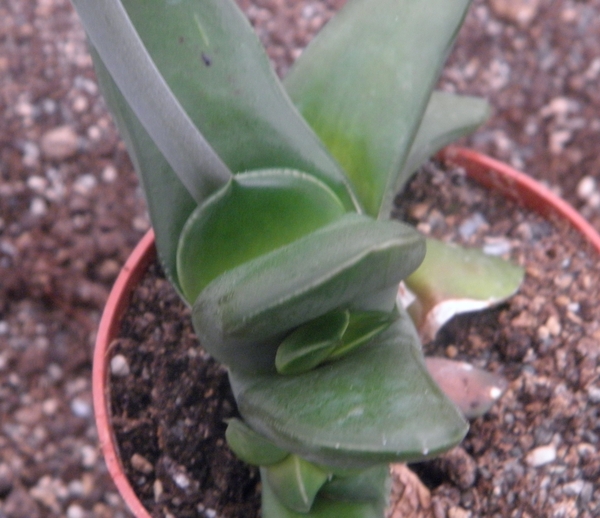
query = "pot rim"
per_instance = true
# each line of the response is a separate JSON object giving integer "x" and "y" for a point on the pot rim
{"x": 486, "y": 171}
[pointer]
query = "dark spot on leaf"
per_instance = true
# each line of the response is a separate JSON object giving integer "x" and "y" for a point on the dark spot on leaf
{"x": 181, "y": 39}
{"x": 206, "y": 59}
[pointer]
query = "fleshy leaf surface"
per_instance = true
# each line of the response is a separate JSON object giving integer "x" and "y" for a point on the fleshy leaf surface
{"x": 296, "y": 482}
{"x": 447, "y": 118}
{"x": 376, "y": 405}
{"x": 453, "y": 279}
{"x": 364, "y": 82}
{"x": 370, "y": 485}
{"x": 362, "y": 326}
{"x": 253, "y": 214}
{"x": 250, "y": 446}
{"x": 223, "y": 78}
{"x": 322, "y": 508}
{"x": 240, "y": 317}
{"x": 311, "y": 343}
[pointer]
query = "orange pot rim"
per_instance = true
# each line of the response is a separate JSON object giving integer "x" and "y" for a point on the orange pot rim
{"x": 486, "y": 171}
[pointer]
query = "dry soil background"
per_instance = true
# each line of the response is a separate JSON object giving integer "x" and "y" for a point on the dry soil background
{"x": 70, "y": 211}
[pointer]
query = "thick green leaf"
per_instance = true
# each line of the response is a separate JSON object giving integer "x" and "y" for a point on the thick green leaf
{"x": 371, "y": 485}
{"x": 242, "y": 315}
{"x": 162, "y": 187}
{"x": 311, "y": 343}
{"x": 123, "y": 53}
{"x": 253, "y": 214}
{"x": 362, "y": 326}
{"x": 295, "y": 482}
{"x": 447, "y": 118}
{"x": 250, "y": 446}
{"x": 323, "y": 507}
{"x": 363, "y": 85}
{"x": 212, "y": 60}
{"x": 376, "y": 405}
{"x": 454, "y": 279}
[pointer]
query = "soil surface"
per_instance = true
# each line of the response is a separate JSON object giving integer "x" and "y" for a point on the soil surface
{"x": 70, "y": 211}
{"x": 533, "y": 454}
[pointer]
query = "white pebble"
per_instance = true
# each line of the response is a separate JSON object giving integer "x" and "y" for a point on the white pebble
{"x": 85, "y": 183}
{"x": 89, "y": 456}
{"x": 573, "y": 488}
{"x": 81, "y": 408}
{"x": 37, "y": 183}
{"x": 586, "y": 187}
{"x": 471, "y": 225}
{"x": 496, "y": 246}
{"x": 50, "y": 406}
{"x": 181, "y": 480}
{"x": 60, "y": 143}
{"x": 594, "y": 394}
{"x": 38, "y": 206}
{"x": 31, "y": 154}
{"x": 75, "y": 511}
{"x": 109, "y": 174}
{"x": 541, "y": 455}
{"x": 119, "y": 366}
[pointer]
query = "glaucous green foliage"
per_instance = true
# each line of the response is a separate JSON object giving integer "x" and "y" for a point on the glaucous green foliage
{"x": 270, "y": 204}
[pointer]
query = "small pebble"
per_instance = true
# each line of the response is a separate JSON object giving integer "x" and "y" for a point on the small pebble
{"x": 471, "y": 225}
{"x": 109, "y": 174}
{"x": 141, "y": 464}
{"x": 81, "y": 408}
{"x": 60, "y": 143}
{"x": 541, "y": 455}
{"x": 38, "y": 207}
{"x": 157, "y": 489}
{"x": 75, "y": 511}
{"x": 182, "y": 480}
{"x": 496, "y": 246}
{"x": 573, "y": 488}
{"x": 50, "y": 406}
{"x": 85, "y": 184}
{"x": 119, "y": 366}
{"x": 89, "y": 456}
{"x": 586, "y": 187}
{"x": 594, "y": 394}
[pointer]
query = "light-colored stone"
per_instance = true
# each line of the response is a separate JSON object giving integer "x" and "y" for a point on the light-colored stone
{"x": 586, "y": 187}
{"x": 60, "y": 143}
{"x": 119, "y": 366}
{"x": 141, "y": 464}
{"x": 541, "y": 455}
{"x": 520, "y": 12}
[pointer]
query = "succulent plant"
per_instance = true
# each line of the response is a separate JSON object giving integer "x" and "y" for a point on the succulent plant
{"x": 271, "y": 203}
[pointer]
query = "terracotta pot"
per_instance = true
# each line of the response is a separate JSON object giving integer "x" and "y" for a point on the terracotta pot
{"x": 484, "y": 170}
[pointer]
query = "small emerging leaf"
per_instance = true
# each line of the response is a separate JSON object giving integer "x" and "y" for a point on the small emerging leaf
{"x": 362, "y": 327}
{"x": 472, "y": 390}
{"x": 322, "y": 508}
{"x": 296, "y": 482}
{"x": 453, "y": 279}
{"x": 250, "y": 446}
{"x": 371, "y": 485}
{"x": 311, "y": 343}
